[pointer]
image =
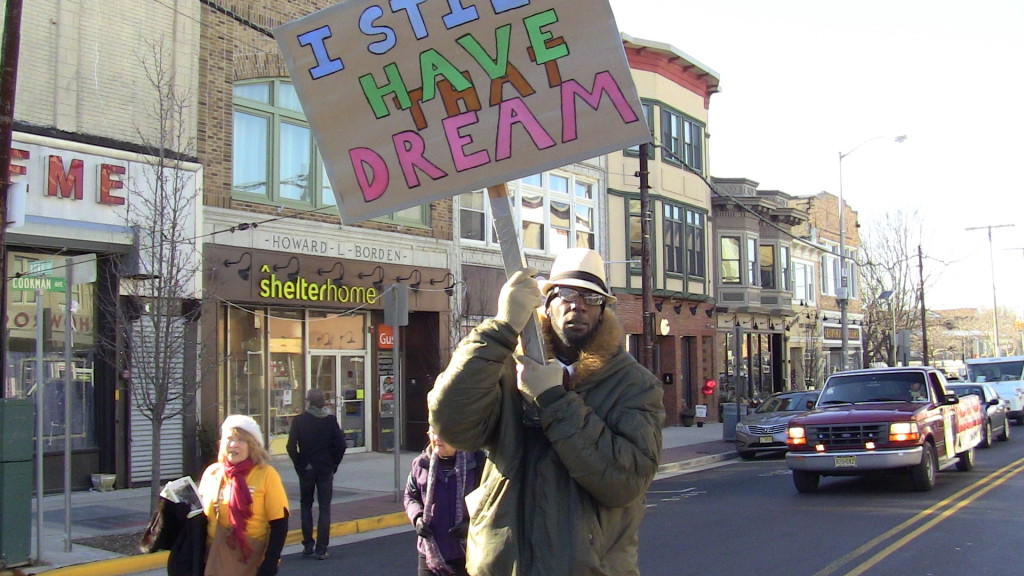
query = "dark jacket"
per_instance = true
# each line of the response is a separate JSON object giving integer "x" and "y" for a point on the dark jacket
{"x": 565, "y": 498}
{"x": 316, "y": 441}
{"x": 446, "y": 489}
{"x": 172, "y": 529}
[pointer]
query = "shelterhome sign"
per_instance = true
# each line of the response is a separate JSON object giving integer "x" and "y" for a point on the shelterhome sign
{"x": 416, "y": 100}
{"x": 300, "y": 289}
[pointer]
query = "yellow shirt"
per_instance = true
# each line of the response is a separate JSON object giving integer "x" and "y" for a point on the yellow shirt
{"x": 269, "y": 500}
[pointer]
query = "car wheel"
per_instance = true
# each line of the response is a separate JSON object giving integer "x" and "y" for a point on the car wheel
{"x": 805, "y": 482}
{"x": 965, "y": 461}
{"x": 922, "y": 476}
{"x": 747, "y": 455}
{"x": 986, "y": 434}
{"x": 1020, "y": 420}
{"x": 1005, "y": 434}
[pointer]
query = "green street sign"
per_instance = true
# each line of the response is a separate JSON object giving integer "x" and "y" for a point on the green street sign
{"x": 44, "y": 283}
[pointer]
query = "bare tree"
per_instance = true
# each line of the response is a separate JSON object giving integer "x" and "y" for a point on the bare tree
{"x": 158, "y": 287}
{"x": 890, "y": 262}
{"x": 963, "y": 334}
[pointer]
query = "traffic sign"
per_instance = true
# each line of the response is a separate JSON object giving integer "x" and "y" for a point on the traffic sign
{"x": 44, "y": 283}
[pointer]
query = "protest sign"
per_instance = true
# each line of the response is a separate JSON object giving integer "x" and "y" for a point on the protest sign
{"x": 416, "y": 100}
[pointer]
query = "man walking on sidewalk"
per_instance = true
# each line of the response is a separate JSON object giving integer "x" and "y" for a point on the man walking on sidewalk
{"x": 316, "y": 446}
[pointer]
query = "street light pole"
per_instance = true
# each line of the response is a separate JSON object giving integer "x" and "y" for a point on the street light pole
{"x": 844, "y": 283}
{"x": 992, "y": 263}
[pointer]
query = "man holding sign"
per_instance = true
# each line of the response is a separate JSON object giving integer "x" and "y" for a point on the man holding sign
{"x": 564, "y": 496}
{"x": 412, "y": 101}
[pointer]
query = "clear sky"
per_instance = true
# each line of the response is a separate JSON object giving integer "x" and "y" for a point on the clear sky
{"x": 803, "y": 80}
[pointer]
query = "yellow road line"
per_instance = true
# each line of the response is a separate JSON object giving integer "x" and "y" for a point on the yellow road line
{"x": 935, "y": 508}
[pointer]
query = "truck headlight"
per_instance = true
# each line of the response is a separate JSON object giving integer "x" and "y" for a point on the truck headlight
{"x": 903, "y": 432}
{"x": 797, "y": 436}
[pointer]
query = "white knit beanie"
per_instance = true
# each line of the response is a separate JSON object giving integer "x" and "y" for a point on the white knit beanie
{"x": 242, "y": 423}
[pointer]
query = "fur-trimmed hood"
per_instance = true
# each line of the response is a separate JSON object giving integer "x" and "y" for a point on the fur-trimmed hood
{"x": 605, "y": 344}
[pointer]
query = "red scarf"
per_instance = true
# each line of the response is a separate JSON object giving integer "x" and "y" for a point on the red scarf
{"x": 240, "y": 504}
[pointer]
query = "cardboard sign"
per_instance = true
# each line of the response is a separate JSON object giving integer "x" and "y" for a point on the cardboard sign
{"x": 416, "y": 100}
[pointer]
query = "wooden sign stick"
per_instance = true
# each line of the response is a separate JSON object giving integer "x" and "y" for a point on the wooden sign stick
{"x": 512, "y": 255}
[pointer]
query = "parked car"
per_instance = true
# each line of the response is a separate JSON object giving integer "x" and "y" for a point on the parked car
{"x": 764, "y": 429}
{"x": 997, "y": 420}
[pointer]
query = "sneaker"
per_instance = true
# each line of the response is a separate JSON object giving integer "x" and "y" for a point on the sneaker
{"x": 322, "y": 555}
{"x": 307, "y": 550}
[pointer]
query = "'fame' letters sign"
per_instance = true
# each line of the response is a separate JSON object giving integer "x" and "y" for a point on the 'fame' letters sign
{"x": 416, "y": 100}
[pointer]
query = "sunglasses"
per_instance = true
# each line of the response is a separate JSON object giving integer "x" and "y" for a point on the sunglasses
{"x": 570, "y": 295}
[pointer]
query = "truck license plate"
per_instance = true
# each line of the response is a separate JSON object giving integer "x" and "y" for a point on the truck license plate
{"x": 845, "y": 461}
{"x": 767, "y": 439}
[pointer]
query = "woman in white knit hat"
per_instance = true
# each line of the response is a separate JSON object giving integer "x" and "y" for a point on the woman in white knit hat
{"x": 245, "y": 503}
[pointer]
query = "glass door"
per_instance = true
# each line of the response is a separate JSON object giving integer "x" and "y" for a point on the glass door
{"x": 342, "y": 377}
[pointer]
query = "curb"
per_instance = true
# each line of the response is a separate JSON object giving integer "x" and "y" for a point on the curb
{"x": 683, "y": 465}
{"x": 146, "y": 562}
{"x": 157, "y": 560}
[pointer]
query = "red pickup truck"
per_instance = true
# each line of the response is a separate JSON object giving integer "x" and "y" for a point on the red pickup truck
{"x": 884, "y": 419}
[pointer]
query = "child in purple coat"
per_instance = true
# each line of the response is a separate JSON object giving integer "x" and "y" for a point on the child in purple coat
{"x": 435, "y": 501}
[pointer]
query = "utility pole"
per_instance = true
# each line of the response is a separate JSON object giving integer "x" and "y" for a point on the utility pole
{"x": 647, "y": 358}
{"x": 8, "y": 86}
{"x": 992, "y": 263}
{"x": 924, "y": 315}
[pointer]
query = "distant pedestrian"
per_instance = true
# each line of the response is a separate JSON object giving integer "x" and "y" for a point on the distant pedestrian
{"x": 316, "y": 446}
{"x": 435, "y": 501}
{"x": 246, "y": 504}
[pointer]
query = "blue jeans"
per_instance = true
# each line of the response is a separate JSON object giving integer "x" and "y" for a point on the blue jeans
{"x": 322, "y": 482}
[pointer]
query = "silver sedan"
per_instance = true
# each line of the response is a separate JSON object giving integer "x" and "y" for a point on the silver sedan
{"x": 764, "y": 429}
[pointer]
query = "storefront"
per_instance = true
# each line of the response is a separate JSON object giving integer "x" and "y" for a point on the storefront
{"x": 284, "y": 323}
{"x": 75, "y": 207}
{"x": 763, "y": 367}
{"x": 832, "y": 342}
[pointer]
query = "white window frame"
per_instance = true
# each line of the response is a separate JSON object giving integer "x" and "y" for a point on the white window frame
{"x": 804, "y": 283}
{"x": 278, "y": 111}
{"x": 519, "y": 188}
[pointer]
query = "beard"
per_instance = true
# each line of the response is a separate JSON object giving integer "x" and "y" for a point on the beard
{"x": 575, "y": 342}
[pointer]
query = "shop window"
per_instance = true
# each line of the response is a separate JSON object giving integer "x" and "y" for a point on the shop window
{"x": 22, "y": 380}
{"x": 246, "y": 362}
{"x": 287, "y": 373}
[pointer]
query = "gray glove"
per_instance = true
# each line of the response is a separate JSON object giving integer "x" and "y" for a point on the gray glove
{"x": 536, "y": 378}
{"x": 519, "y": 299}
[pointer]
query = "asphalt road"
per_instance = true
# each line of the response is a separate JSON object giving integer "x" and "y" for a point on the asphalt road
{"x": 747, "y": 519}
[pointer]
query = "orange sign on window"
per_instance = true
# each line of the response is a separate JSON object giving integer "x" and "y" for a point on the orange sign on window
{"x": 385, "y": 337}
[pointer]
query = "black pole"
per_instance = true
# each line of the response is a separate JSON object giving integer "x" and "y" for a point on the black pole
{"x": 647, "y": 358}
{"x": 8, "y": 85}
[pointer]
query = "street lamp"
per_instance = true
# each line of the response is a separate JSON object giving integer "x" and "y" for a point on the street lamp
{"x": 888, "y": 295}
{"x": 844, "y": 284}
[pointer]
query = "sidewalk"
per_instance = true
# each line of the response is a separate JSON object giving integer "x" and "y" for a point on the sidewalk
{"x": 364, "y": 501}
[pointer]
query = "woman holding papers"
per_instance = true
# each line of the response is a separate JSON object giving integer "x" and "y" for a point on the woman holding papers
{"x": 245, "y": 502}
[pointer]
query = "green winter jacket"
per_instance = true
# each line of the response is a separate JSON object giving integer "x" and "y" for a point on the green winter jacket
{"x": 565, "y": 498}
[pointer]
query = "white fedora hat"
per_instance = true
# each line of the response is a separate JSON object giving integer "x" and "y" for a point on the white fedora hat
{"x": 578, "y": 268}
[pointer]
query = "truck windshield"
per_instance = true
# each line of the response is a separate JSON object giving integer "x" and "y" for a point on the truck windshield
{"x": 995, "y": 371}
{"x": 853, "y": 388}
